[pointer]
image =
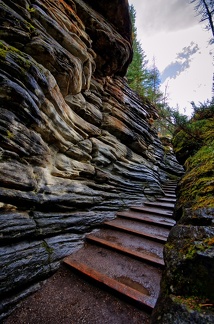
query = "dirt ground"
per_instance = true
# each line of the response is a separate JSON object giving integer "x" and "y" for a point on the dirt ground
{"x": 65, "y": 298}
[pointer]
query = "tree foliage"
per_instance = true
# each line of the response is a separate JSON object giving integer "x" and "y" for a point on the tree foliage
{"x": 144, "y": 80}
{"x": 205, "y": 9}
{"x": 137, "y": 72}
{"x": 190, "y": 135}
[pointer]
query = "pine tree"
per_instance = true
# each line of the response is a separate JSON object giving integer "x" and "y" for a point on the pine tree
{"x": 146, "y": 81}
{"x": 205, "y": 9}
{"x": 152, "y": 85}
{"x": 137, "y": 73}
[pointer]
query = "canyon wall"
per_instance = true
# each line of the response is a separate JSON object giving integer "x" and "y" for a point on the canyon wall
{"x": 76, "y": 142}
{"x": 187, "y": 289}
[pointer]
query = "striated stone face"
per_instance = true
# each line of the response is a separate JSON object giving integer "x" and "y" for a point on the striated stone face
{"x": 76, "y": 142}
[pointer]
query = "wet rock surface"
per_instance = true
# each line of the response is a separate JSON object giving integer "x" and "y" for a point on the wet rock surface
{"x": 74, "y": 300}
{"x": 115, "y": 277}
{"x": 187, "y": 284}
{"x": 76, "y": 141}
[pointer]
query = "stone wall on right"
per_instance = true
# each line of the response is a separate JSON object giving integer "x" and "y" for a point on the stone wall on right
{"x": 187, "y": 287}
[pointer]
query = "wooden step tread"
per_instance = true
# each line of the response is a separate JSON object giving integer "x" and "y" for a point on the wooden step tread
{"x": 169, "y": 187}
{"x": 139, "y": 255}
{"x": 168, "y": 192}
{"x": 141, "y": 226}
{"x": 170, "y": 200}
{"x": 156, "y": 238}
{"x": 142, "y": 300}
{"x": 147, "y": 219}
{"x": 160, "y": 204}
{"x": 168, "y": 195}
{"x": 151, "y": 210}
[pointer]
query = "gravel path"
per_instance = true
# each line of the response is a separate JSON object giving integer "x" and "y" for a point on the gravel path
{"x": 65, "y": 298}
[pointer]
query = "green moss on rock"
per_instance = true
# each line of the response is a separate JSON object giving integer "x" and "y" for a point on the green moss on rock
{"x": 196, "y": 151}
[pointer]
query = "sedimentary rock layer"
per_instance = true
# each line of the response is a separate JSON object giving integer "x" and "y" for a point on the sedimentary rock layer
{"x": 76, "y": 141}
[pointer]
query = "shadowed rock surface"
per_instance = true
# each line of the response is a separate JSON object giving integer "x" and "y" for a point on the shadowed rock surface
{"x": 187, "y": 290}
{"x": 124, "y": 258}
{"x": 76, "y": 141}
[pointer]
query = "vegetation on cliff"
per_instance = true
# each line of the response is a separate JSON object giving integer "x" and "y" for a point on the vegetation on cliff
{"x": 194, "y": 147}
{"x": 187, "y": 285}
{"x": 143, "y": 79}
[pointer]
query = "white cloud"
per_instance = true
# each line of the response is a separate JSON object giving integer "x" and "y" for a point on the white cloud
{"x": 165, "y": 28}
{"x": 181, "y": 63}
{"x": 164, "y": 15}
{"x": 193, "y": 84}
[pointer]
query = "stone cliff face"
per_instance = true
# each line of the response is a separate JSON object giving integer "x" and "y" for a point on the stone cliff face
{"x": 187, "y": 292}
{"x": 76, "y": 141}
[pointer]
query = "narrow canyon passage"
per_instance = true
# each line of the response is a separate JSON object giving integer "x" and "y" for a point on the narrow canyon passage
{"x": 115, "y": 277}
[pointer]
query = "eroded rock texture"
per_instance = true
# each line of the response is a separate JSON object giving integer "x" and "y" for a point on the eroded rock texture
{"x": 187, "y": 294}
{"x": 76, "y": 142}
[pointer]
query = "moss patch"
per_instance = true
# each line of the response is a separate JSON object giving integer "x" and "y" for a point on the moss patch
{"x": 195, "y": 303}
{"x": 190, "y": 251}
{"x": 197, "y": 185}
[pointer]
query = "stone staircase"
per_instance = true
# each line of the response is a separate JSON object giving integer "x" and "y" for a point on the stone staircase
{"x": 126, "y": 254}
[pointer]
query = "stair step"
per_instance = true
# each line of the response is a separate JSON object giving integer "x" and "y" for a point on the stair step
{"x": 156, "y": 238}
{"x": 136, "y": 225}
{"x": 125, "y": 250}
{"x": 169, "y": 192}
{"x": 139, "y": 298}
{"x": 160, "y": 204}
{"x": 169, "y": 195}
{"x": 154, "y": 211}
{"x": 169, "y": 189}
{"x": 147, "y": 218}
{"x": 170, "y": 184}
{"x": 170, "y": 200}
{"x": 126, "y": 255}
{"x": 121, "y": 267}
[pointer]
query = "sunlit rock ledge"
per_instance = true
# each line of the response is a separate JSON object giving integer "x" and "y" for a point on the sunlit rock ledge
{"x": 76, "y": 142}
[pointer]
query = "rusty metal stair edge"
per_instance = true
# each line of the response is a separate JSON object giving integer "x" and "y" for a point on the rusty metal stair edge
{"x": 140, "y": 299}
{"x": 146, "y": 220}
{"x": 171, "y": 186}
{"x": 160, "y": 239}
{"x": 169, "y": 194}
{"x": 166, "y": 200}
{"x": 160, "y": 205}
{"x": 154, "y": 211}
{"x": 172, "y": 192}
{"x": 155, "y": 261}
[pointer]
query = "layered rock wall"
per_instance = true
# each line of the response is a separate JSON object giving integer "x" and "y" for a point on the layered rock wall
{"x": 187, "y": 290}
{"x": 76, "y": 141}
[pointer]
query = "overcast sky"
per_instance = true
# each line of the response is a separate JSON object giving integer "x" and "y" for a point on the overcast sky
{"x": 170, "y": 32}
